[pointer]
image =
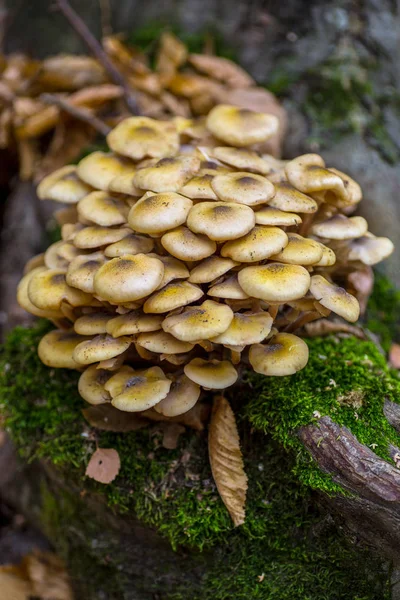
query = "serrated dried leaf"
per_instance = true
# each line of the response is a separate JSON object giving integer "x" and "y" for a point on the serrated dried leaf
{"x": 104, "y": 465}
{"x": 226, "y": 459}
{"x": 109, "y": 418}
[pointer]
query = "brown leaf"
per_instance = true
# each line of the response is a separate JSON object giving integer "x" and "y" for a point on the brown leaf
{"x": 222, "y": 69}
{"x": 103, "y": 465}
{"x": 109, "y": 418}
{"x": 226, "y": 459}
{"x": 394, "y": 356}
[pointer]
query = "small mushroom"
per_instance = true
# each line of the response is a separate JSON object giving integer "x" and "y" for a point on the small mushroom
{"x": 138, "y": 390}
{"x": 199, "y": 322}
{"x": 242, "y": 159}
{"x": 243, "y": 188}
{"x": 172, "y": 296}
{"x": 288, "y": 199}
{"x": 182, "y": 396}
{"x": 240, "y": 126}
{"x": 199, "y": 187}
{"x": 246, "y": 328}
{"x": 140, "y": 137}
{"x": 100, "y": 168}
{"x": 57, "y": 347}
{"x": 101, "y": 347}
{"x": 173, "y": 269}
{"x": 102, "y": 209}
{"x": 228, "y": 288}
{"x": 211, "y": 374}
{"x": 168, "y": 174}
{"x": 327, "y": 259}
{"x": 370, "y": 250}
{"x": 299, "y": 251}
{"x": 186, "y": 245}
{"x": 82, "y": 269}
{"x": 91, "y": 385}
{"x": 156, "y": 213}
{"x": 24, "y": 301}
{"x": 268, "y": 215}
{"x": 211, "y": 268}
{"x": 60, "y": 254}
{"x": 128, "y": 278}
{"x": 130, "y": 244}
{"x": 335, "y": 298}
{"x": 161, "y": 342}
{"x": 47, "y": 289}
{"x": 340, "y": 227}
{"x": 96, "y": 236}
{"x": 260, "y": 243}
{"x": 133, "y": 323}
{"x": 63, "y": 186}
{"x": 275, "y": 282}
{"x": 92, "y": 323}
{"x": 221, "y": 221}
{"x": 285, "y": 354}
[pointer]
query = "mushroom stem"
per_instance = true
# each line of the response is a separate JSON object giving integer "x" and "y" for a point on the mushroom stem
{"x": 81, "y": 114}
{"x": 273, "y": 310}
{"x": 302, "y": 320}
{"x": 88, "y": 38}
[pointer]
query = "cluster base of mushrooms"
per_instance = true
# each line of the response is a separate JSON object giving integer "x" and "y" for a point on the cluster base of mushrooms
{"x": 189, "y": 254}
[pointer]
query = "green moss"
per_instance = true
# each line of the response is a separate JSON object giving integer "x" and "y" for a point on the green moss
{"x": 285, "y": 538}
{"x": 383, "y": 314}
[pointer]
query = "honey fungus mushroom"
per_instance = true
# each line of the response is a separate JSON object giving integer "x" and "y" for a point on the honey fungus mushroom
{"x": 189, "y": 256}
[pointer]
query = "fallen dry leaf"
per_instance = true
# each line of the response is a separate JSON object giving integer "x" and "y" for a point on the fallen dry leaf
{"x": 104, "y": 465}
{"x": 109, "y": 418}
{"x": 394, "y": 356}
{"x": 226, "y": 459}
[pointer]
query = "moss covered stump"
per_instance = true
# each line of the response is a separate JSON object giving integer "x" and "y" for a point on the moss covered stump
{"x": 160, "y": 531}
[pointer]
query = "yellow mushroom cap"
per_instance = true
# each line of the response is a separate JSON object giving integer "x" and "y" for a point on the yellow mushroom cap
{"x": 242, "y": 159}
{"x": 139, "y": 137}
{"x": 95, "y": 236}
{"x": 168, "y": 174}
{"x": 131, "y": 244}
{"x": 327, "y": 259}
{"x": 128, "y": 278}
{"x": 56, "y": 349}
{"x": 60, "y": 254}
{"x": 370, "y": 250}
{"x": 239, "y": 126}
{"x": 162, "y": 343}
{"x": 47, "y": 289}
{"x": 210, "y": 269}
{"x": 24, "y": 301}
{"x": 92, "y": 323}
{"x": 211, "y": 374}
{"x": 172, "y": 296}
{"x": 186, "y": 245}
{"x": 101, "y": 347}
{"x": 260, "y": 243}
{"x": 82, "y": 269}
{"x": 275, "y": 282}
{"x": 63, "y": 186}
{"x": 199, "y": 322}
{"x": 100, "y": 168}
{"x": 173, "y": 269}
{"x": 289, "y": 199}
{"x": 91, "y": 385}
{"x": 221, "y": 221}
{"x": 335, "y": 298}
{"x": 246, "y": 328}
{"x": 340, "y": 227}
{"x": 123, "y": 184}
{"x": 102, "y": 209}
{"x": 244, "y": 188}
{"x": 157, "y": 213}
{"x": 138, "y": 390}
{"x": 299, "y": 251}
{"x": 182, "y": 396}
{"x": 228, "y": 288}
{"x": 284, "y": 355}
{"x": 199, "y": 187}
{"x": 132, "y": 323}
{"x": 268, "y": 215}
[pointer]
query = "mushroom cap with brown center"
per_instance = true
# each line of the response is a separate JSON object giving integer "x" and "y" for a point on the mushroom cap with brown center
{"x": 340, "y": 227}
{"x": 186, "y": 245}
{"x": 299, "y": 251}
{"x": 130, "y": 244}
{"x": 91, "y": 385}
{"x": 138, "y": 390}
{"x": 199, "y": 322}
{"x": 172, "y": 296}
{"x": 102, "y": 209}
{"x": 199, "y": 187}
{"x": 63, "y": 186}
{"x": 246, "y": 328}
{"x": 260, "y": 243}
{"x": 335, "y": 298}
{"x": 168, "y": 174}
{"x": 275, "y": 282}
{"x": 24, "y": 301}
{"x": 242, "y": 159}
{"x": 132, "y": 323}
{"x": 161, "y": 342}
{"x": 370, "y": 250}
{"x": 156, "y": 213}
{"x": 268, "y": 215}
{"x": 285, "y": 354}
{"x": 82, "y": 269}
{"x": 211, "y": 374}
{"x": 100, "y": 168}
{"x": 244, "y": 188}
{"x": 47, "y": 289}
{"x": 101, "y": 347}
{"x": 221, "y": 221}
{"x": 182, "y": 396}
{"x": 96, "y": 236}
{"x": 140, "y": 137}
{"x": 57, "y": 347}
{"x": 240, "y": 126}
{"x": 288, "y": 199}
{"x": 211, "y": 268}
{"x": 128, "y": 278}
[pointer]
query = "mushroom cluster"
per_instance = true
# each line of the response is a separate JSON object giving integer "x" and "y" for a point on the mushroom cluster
{"x": 187, "y": 254}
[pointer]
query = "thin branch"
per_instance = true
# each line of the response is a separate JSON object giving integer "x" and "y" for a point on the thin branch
{"x": 82, "y": 114}
{"x": 95, "y": 48}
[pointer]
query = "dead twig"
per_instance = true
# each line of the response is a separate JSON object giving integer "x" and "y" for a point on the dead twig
{"x": 82, "y": 114}
{"x": 95, "y": 47}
